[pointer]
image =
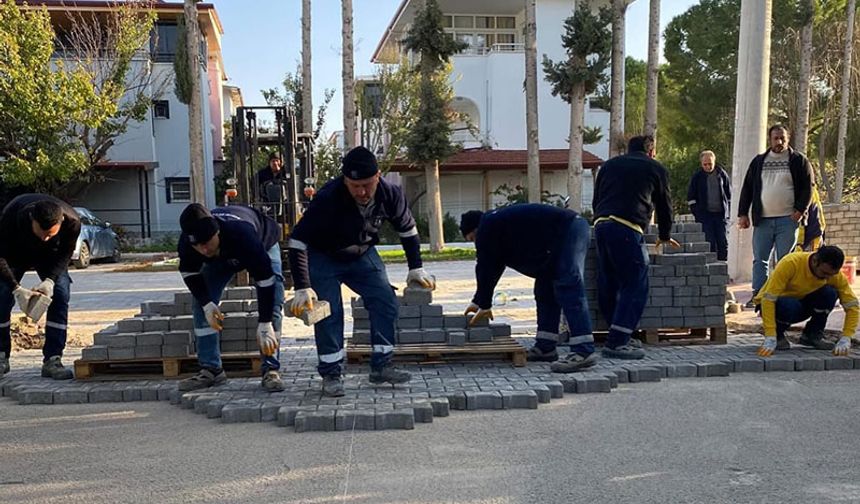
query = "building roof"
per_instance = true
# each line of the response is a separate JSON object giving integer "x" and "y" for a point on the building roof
{"x": 503, "y": 159}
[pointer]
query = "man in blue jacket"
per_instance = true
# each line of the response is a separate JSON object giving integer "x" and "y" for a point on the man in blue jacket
{"x": 548, "y": 244}
{"x": 708, "y": 196}
{"x": 213, "y": 247}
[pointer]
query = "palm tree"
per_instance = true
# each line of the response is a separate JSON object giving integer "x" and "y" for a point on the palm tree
{"x": 532, "y": 141}
{"x": 843, "y": 106}
{"x": 347, "y": 75}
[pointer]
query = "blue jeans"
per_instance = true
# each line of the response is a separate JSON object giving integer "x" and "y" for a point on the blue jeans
{"x": 622, "y": 279}
{"x": 714, "y": 226}
{"x": 57, "y": 318}
{"x": 816, "y": 307}
{"x": 217, "y": 275}
{"x": 564, "y": 290}
{"x": 771, "y": 232}
{"x": 367, "y": 277}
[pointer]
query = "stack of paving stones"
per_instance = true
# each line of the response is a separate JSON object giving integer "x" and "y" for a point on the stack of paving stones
{"x": 433, "y": 392}
{"x": 166, "y": 329}
{"x": 421, "y": 321}
{"x": 687, "y": 285}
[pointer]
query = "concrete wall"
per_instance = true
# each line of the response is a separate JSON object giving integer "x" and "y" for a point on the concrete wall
{"x": 843, "y": 227}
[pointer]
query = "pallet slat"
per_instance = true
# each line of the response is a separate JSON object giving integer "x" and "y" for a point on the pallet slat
{"x": 504, "y": 349}
{"x": 236, "y": 364}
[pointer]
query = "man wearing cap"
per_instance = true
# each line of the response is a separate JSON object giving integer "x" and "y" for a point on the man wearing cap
{"x": 333, "y": 244}
{"x": 213, "y": 247}
{"x": 548, "y": 244}
{"x": 37, "y": 232}
{"x": 267, "y": 175}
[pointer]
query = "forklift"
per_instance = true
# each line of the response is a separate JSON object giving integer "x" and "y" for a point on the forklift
{"x": 257, "y": 133}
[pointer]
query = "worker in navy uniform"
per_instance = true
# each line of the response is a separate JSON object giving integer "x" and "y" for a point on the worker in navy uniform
{"x": 334, "y": 244}
{"x": 548, "y": 244}
{"x": 213, "y": 247}
{"x": 37, "y": 232}
{"x": 270, "y": 174}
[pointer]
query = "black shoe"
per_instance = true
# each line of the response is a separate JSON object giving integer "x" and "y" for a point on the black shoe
{"x": 389, "y": 374}
{"x": 204, "y": 378}
{"x": 574, "y": 362}
{"x": 783, "y": 344}
{"x": 4, "y": 364}
{"x": 816, "y": 340}
{"x": 332, "y": 386}
{"x": 53, "y": 368}
{"x": 625, "y": 352}
{"x": 535, "y": 354}
{"x": 272, "y": 382}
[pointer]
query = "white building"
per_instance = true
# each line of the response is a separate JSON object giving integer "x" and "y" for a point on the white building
{"x": 147, "y": 170}
{"x": 488, "y": 80}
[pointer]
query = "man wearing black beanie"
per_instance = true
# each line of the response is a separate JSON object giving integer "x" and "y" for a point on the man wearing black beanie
{"x": 333, "y": 244}
{"x": 213, "y": 247}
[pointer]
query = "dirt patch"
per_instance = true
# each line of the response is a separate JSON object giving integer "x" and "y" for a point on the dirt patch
{"x": 27, "y": 335}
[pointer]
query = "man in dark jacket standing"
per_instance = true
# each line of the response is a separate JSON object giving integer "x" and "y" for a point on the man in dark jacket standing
{"x": 708, "y": 196}
{"x": 627, "y": 190}
{"x": 37, "y": 232}
{"x": 548, "y": 244}
{"x": 778, "y": 189}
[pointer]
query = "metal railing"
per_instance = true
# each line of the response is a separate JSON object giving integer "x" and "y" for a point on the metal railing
{"x": 495, "y": 48}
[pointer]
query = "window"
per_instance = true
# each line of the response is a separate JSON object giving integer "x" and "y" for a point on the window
{"x": 505, "y": 38}
{"x": 161, "y": 109}
{"x": 506, "y": 22}
{"x": 163, "y": 41}
{"x": 464, "y": 22}
{"x": 447, "y": 22}
{"x": 485, "y": 22}
{"x": 178, "y": 189}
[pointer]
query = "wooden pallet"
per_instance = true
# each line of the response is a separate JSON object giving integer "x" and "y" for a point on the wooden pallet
{"x": 501, "y": 349}
{"x": 236, "y": 364}
{"x": 670, "y": 336}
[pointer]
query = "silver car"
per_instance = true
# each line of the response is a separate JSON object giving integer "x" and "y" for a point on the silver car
{"x": 96, "y": 241}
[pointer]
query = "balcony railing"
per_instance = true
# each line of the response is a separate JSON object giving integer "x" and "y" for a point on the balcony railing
{"x": 495, "y": 48}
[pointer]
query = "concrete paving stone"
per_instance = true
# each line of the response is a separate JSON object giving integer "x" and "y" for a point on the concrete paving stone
{"x": 431, "y": 322}
{"x": 501, "y": 330}
{"x": 234, "y": 321}
{"x": 251, "y": 305}
{"x": 455, "y": 337}
{"x": 182, "y": 298}
{"x": 214, "y": 407}
{"x": 361, "y": 337}
{"x": 519, "y": 399}
{"x": 718, "y": 280}
{"x": 182, "y": 323}
{"x": 102, "y": 394}
{"x": 358, "y": 419}
{"x": 176, "y": 338}
{"x": 693, "y": 311}
{"x": 675, "y": 281}
{"x": 480, "y": 323}
{"x": 407, "y": 323}
{"x": 436, "y": 335}
{"x": 147, "y": 352}
{"x": 454, "y": 321}
{"x": 241, "y": 411}
{"x": 132, "y": 393}
{"x": 36, "y": 395}
{"x": 660, "y": 301}
{"x": 122, "y": 340}
{"x": 362, "y": 313}
{"x": 638, "y": 374}
{"x": 650, "y": 323}
{"x": 483, "y": 400}
{"x": 809, "y": 364}
{"x": 441, "y": 406}
{"x": 201, "y": 402}
{"x": 121, "y": 353}
{"x": 681, "y": 370}
{"x": 410, "y": 336}
{"x": 287, "y": 414}
{"x": 715, "y": 320}
{"x": 234, "y": 346}
{"x": 748, "y": 364}
{"x": 456, "y": 400}
{"x": 569, "y": 384}
{"x": 156, "y": 324}
{"x": 164, "y": 390}
{"x": 175, "y": 351}
{"x": 422, "y": 411}
{"x": 240, "y": 334}
{"x": 130, "y": 325}
{"x": 779, "y": 363}
{"x": 416, "y": 296}
{"x": 709, "y": 369}
{"x": 590, "y": 383}
{"x": 556, "y": 388}
{"x": 409, "y": 312}
{"x": 694, "y": 322}
{"x": 671, "y": 311}
{"x": 402, "y": 419}
{"x": 95, "y": 352}
{"x": 320, "y": 311}
{"x": 148, "y": 339}
{"x": 609, "y": 375}
{"x": 71, "y": 396}
{"x": 832, "y": 363}
{"x": 431, "y": 310}
{"x": 480, "y": 335}
{"x": 232, "y": 306}
{"x": 312, "y": 421}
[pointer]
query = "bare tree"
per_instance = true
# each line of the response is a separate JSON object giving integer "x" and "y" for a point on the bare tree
{"x": 801, "y": 130}
{"x": 532, "y": 140}
{"x": 653, "y": 69}
{"x": 616, "y": 94}
{"x": 307, "y": 95}
{"x": 843, "y": 107}
{"x": 347, "y": 75}
{"x": 195, "y": 107}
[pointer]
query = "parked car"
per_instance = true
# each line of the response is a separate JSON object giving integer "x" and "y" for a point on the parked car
{"x": 97, "y": 240}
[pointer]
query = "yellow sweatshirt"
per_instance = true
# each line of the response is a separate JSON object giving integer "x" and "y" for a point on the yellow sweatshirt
{"x": 793, "y": 278}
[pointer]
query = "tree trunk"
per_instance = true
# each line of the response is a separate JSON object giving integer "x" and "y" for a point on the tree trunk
{"x": 532, "y": 142}
{"x": 434, "y": 206}
{"x": 616, "y": 107}
{"x": 307, "y": 96}
{"x": 347, "y": 76}
{"x": 574, "y": 160}
{"x": 822, "y": 162}
{"x": 195, "y": 107}
{"x": 839, "y": 183}
{"x": 801, "y": 129}
{"x": 653, "y": 69}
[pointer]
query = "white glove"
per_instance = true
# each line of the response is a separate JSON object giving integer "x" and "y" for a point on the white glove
{"x": 421, "y": 277}
{"x": 843, "y": 346}
{"x": 213, "y": 316}
{"x": 22, "y": 297}
{"x": 267, "y": 338}
{"x": 46, "y": 287}
{"x": 304, "y": 300}
{"x": 767, "y": 348}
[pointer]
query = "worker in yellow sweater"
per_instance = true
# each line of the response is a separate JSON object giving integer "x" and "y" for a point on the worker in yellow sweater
{"x": 805, "y": 285}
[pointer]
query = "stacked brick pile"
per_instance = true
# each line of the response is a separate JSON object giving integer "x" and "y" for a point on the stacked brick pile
{"x": 421, "y": 321}
{"x": 166, "y": 329}
{"x": 843, "y": 227}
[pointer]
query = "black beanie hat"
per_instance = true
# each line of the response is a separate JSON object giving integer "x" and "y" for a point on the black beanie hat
{"x": 359, "y": 163}
{"x": 198, "y": 224}
{"x": 469, "y": 221}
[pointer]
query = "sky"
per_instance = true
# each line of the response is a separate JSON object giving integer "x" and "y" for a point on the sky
{"x": 262, "y": 41}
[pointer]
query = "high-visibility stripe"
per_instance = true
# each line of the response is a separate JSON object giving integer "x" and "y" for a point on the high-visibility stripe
{"x": 5, "y": 324}
{"x": 384, "y": 349}
{"x": 691, "y": 202}
{"x": 620, "y": 329}
{"x": 546, "y": 335}
{"x": 204, "y": 331}
{"x": 296, "y": 244}
{"x": 331, "y": 357}
{"x": 186, "y": 274}
{"x": 770, "y": 297}
{"x": 411, "y": 232}
{"x": 267, "y": 282}
{"x": 821, "y": 310}
{"x": 56, "y": 325}
{"x": 851, "y": 304}
{"x": 623, "y": 222}
{"x": 578, "y": 340}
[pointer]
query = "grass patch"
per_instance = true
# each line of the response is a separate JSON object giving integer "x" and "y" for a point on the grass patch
{"x": 448, "y": 254}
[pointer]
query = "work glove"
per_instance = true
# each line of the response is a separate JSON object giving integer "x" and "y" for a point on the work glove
{"x": 213, "y": 316}
{"x": 304, "y": 300}
{"x": 267, "y": 338}
{"x": 843, "y": 346}
{"x": 671, "y": 242}
{"x": 767, "y": 348}
{"x": 479, "y": 313}
{"x": 22, "y": 297}
{"x": 46, "y": 287}
{"x": 420, "y": 277}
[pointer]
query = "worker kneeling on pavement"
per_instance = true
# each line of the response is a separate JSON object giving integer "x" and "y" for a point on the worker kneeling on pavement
{"x": 805, "y": 285}
{"x": 37, "y": 232}
{"x": 333, "y": 244}
{"x": 213, "y": 247}
{"x": 548, "y": 244}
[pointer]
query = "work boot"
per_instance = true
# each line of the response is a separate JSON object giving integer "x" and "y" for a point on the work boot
{"x": 635, "y": 343}
{"x": 272, "y": 382}
{"x": 205, "y": 378}
{"x": 332, "y": 386}
{"x": 783, "y": 344}
{"x": 574, "y": 362}
{"x": 535, "y": 354}
{"x": 750, "y": 305}
{"x": 4, "y": 364}
{"x": 389, "y": 374}
{"x": 625, "y": 352}
{"x": 815, "y": 340}
{"x": 53, "y": 368}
